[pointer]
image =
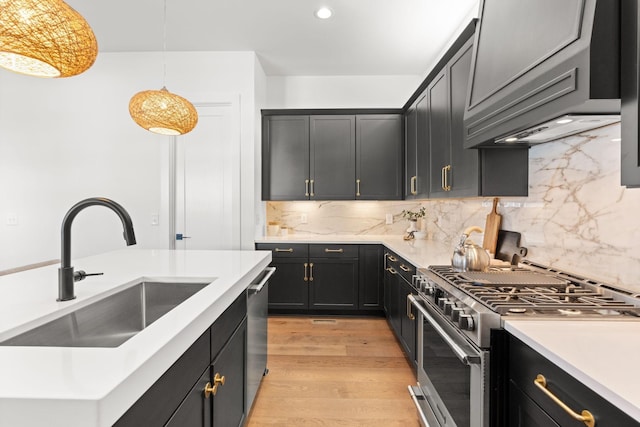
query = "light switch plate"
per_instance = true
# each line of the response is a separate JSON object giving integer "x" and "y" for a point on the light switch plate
{"x": 12, "y": 218}
{"x": 303, "y": 219}
{"x": 389, "y": 218}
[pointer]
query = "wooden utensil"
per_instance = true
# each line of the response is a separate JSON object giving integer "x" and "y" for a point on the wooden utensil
{"x": 492, "y": 226}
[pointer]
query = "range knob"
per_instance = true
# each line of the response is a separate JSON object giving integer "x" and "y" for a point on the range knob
{"x": 466, "y": 323}
{"x": 442, "y": 302}
{"x": 448, "y": 307}
{"x": 456, "y": 312}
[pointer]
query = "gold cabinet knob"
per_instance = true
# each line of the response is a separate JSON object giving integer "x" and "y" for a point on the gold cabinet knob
{"x": 218, "y": 380}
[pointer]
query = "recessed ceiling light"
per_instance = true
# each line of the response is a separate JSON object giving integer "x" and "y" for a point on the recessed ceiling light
{"x": 324, "y": 13}
{"x": 564, "y": 121}
{"x": 512, "y": 139}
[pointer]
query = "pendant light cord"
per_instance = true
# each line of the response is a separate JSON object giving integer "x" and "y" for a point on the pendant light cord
{"x": 164, "y": 45}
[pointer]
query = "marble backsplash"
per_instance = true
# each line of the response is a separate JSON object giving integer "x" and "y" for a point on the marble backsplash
{"x": 577, "y": 216}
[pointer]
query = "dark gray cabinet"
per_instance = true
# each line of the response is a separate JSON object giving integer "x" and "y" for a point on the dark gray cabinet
{"x": 313, "y": 277}
{"x": 417, "y": 149}
{"x": 398, "y": 278}
{"x": 379, "y": 149}
{"x": 331, "y": 156}
{"x": 370, "y": 277}
{"x": 630, "y": 87}
{"x": 454, "y": 169}
{"x": 333, "y": 283}
{"x": 285, "y": 158}
{"x": 228, "y": 372}
{"x": 435, "y": 135}
{"x": 289, "y": 285}
{"x": 438, "y": 135}
{"x": 410, "y": 152}
{"x": 529, "y": 406}
{"x": 179, "y": 397}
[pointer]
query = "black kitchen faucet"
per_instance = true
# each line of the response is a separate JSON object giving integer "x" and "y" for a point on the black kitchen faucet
{"x": 66, "y": 275}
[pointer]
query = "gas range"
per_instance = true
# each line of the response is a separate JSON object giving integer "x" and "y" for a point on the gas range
{"x": 476, "y": 302}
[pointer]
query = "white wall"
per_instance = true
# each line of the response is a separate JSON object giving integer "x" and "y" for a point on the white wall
{"x": 340, "y": 91}
{"x": 63, "y": 140}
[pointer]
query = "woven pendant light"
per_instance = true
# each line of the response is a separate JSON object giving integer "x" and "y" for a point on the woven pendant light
{"x": 160, "y": 111}
{"x": 45, "y": 38}
{"x": 163, "y": 112}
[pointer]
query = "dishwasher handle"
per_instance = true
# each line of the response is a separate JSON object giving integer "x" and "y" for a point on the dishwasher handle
{"x": 258, "y": 286}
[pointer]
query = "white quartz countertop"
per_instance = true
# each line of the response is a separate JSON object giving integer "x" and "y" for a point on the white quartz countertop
{"x": 421, "y": 253}
{"x": 56, "y": 386}
{"x": 603, "y": 355}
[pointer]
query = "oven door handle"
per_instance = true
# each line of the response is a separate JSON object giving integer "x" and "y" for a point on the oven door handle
{"x": 467, "y": 357}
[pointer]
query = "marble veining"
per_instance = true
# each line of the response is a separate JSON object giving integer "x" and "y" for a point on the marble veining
{"x": 577, "y": 215}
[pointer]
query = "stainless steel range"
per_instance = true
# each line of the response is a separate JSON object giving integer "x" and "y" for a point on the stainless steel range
{"x": 458, "y": 310}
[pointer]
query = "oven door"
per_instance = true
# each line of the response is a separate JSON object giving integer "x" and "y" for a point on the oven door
{"x": 452, "y": 388}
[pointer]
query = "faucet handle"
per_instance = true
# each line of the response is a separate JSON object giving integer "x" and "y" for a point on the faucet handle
{"x": 81, "y": 275}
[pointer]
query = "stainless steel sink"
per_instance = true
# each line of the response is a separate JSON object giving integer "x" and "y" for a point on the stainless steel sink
{"x": 111, "y": 321}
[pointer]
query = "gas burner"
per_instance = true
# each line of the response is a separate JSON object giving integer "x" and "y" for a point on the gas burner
{"x": 540, "y": 291}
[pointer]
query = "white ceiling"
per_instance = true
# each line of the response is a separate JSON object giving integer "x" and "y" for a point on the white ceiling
{"x": 364, "y": 37}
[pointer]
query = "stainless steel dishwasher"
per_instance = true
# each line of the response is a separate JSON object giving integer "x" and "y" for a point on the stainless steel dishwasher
{"x": 257, "y": 305}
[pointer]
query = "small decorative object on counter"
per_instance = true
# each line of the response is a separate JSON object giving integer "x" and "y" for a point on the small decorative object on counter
{"x": 413, "y": 221}
{"x": 273, "y": 229}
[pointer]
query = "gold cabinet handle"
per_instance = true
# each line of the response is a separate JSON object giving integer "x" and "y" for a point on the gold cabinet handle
{"x": 392, "y": 270}
{"x": 586, "y": 417}
{"x": 217, "y": 381}
{"x": 392, "y": 258}
{"x": 312, "y": 194}
{"x": 446, "y": 186}
{"x": 333, "y": 251}
{"x": 357, "y": 188}
{"x": 306, "y": 278}
{"x": 414, "y": 185}
{"x": 404, "y": 268}
{"x": 409, "y": 313}
{"x": 311, "y": 272}
{"x": 442, "y": 177}
{"x": 290, "y": 250}
{"x": 306, "y": 187}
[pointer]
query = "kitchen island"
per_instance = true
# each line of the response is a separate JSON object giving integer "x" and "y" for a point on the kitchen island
{"x": 82, "y": 386}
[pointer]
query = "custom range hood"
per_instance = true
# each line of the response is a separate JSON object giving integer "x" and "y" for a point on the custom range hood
{"x": 543, "y": 70}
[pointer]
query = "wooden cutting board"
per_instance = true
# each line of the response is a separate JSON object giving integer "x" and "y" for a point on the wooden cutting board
{"x": 491, "y": 228}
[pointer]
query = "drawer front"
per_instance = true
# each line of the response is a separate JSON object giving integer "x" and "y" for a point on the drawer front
{"x": 333, "y": 251}
{"x": 285, "y": 250}
{"x": 524, "y": 366}
{"x": 405, "y": 269}
{"x": 226, "y": 324}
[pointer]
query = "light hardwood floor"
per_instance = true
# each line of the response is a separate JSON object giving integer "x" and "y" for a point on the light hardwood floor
{"x": 334, "y": 372}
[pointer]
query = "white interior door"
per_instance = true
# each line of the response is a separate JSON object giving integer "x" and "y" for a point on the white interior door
{"x": 207, "y": 180}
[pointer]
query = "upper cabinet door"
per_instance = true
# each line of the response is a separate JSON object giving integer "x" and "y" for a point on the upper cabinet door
{"x": 464, "y": 175}
{"x": 332, "y": 157}
{"x": 410, "y": 154}
{"x": 379, "y": 157}
{"x": 285, "y": 158}
{"x": 438, "y": 137}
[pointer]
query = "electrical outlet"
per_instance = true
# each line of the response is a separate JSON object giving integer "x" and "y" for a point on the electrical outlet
{"x": 12, "y": 218}
{"x": 155, "y": 219}
{"x": 303, "y": 219}
{"x": 389, "y": 218}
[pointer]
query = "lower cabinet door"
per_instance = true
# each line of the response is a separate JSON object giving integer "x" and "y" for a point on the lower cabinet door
{"x": 288, "y": 288}
{"x": 408, "y": 324}
{"x": 333, "y": 283}
{"x": 195, "y": 409}
{"x": 228, "y": 372}
{"x": 524, "y": 412}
